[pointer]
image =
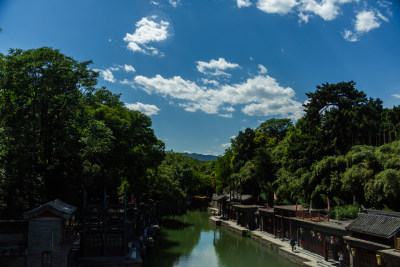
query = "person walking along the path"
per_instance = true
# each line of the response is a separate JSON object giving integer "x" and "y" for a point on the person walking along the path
{"x": 292, "y": 243}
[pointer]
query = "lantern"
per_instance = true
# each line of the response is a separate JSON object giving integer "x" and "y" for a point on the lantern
{"x": 332, "y": 240}
{"x": 312, "y": 233}
{"x": 378, "y": 259}
{"x": 301, "y": 230}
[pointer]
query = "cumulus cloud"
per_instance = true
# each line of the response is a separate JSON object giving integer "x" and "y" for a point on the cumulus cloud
{"x": 147, "y": 109}
{"x": 148, "y": 30}
{"x": 326, "y": 9}
{"x": 215, "y": 67}
{"x": 107, "y": 74}
{"x": 243, "y": 3}
{"x": 281, "y": 7}
{"x": 213, "y": 82}
{"x": 263, "y": 69}
{"x": 229, "y": 109}
{"x": 366, "y": 21}
{"x": 129, "y": 68}
{"x": 257, "y": 96}
{"x": 174, "y": 3}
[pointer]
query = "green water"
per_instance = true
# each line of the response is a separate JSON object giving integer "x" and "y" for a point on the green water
{"x": 190, "y": 240}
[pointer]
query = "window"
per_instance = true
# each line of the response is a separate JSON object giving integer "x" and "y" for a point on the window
{"x": 46, "y": 259}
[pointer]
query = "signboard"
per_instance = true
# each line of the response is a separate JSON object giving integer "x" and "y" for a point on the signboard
{"x": 398, "y": 243}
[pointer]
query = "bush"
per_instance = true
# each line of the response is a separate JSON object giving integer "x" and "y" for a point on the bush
{"x": 344, "y": 212}
{"x": 247, "y": 233}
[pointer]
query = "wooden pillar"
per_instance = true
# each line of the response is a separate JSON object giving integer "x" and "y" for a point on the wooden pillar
{"x": 273, "y": 221}
{"x": 290, "y": 228}
{"x": 325, "y": 249}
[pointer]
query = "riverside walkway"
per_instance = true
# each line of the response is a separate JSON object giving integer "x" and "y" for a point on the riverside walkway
{"x": 300, "y": 256}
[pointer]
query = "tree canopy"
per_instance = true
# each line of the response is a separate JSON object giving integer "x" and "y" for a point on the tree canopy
{"x": 61, "y": 135}
{"x": 344, "y": 148}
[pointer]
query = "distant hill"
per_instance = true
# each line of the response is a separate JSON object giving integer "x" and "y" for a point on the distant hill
{"x": 200, "y": 156}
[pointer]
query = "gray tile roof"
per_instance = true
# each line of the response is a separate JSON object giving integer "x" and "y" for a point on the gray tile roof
{"x": 219, "y": 197}
{"x": 56, "y": 206}
{"x": 376, "y": 223}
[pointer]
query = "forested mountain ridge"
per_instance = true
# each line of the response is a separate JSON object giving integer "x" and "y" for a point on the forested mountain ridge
{"x": 200, "y": 157}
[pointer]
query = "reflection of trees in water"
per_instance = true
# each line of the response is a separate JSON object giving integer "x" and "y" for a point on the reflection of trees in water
{"x": 179, "y": 235}
{"x": 233, "y": 250}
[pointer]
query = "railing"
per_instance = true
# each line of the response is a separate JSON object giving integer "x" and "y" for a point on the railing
{"x": 312, "y": 216}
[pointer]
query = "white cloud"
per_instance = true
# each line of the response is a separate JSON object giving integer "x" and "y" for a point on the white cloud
{"x": 152, "y": 2}
{"x": 226, "y": 115}
{"x": 107, "y": 74}
{"x": 215, "y": 67}
{"x": 174, "y": 3}
{"x": 243, "y": 3}
{"x": 326, "y": 9}
{"x": 365, "y": 22}
{"x": 148, "y": 30}
{"x": 229, "y": 109}
{"x": 129, "y": 68}
{"x": 213, "y": 82}
{"x": 225, "y": 145}
{"x": 396, "y": 95}
{"x": 276, "y": 6}
{"x": 303, "y": 17}
{"x": 125, "y": 81}
{"x": 259, "y": 96}
{"x": 263, "y": 70}
{"x": 350, "y": 36}
{"x": 147, "y": 109}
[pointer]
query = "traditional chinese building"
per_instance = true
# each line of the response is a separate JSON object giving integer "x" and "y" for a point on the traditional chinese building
{"x": 51, "y": 233}
{"x": 246, "y": 215}
{"x": 374, "y": 239}
{"x": 266, "y": 220}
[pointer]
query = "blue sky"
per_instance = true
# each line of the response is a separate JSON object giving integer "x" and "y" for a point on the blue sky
{"x": 203, "y": 70}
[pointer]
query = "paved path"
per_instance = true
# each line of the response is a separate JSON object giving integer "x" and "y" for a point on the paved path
{"x": 301, "y": 256}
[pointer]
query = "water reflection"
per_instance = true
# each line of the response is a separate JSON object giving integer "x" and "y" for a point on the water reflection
{"x": 189, "y": 240}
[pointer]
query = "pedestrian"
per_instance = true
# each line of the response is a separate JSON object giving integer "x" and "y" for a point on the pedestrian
{"x": 292, "y": 243}
{"x": 340, "y": 254}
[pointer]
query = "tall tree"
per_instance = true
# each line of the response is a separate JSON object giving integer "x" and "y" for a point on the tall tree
{"x": 40, "y": 102}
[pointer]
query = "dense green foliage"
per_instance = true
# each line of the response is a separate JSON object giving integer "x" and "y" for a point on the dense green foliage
{"x": 59, "y": 135}
{"x": 346, "y": 147}
{"x": 177, "y": 178}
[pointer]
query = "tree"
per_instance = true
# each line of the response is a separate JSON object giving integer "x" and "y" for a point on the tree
{"x": 276, "y": 128}
{"x": 332, "y": 108}
{"x": 59, "y": 134}
{"x": 40, "y": 103}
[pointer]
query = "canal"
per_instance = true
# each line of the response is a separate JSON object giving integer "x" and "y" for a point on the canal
{"x": 190, "y": 240}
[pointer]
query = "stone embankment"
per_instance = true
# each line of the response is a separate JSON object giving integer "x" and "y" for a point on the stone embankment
{"x": 300, "y": 256}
